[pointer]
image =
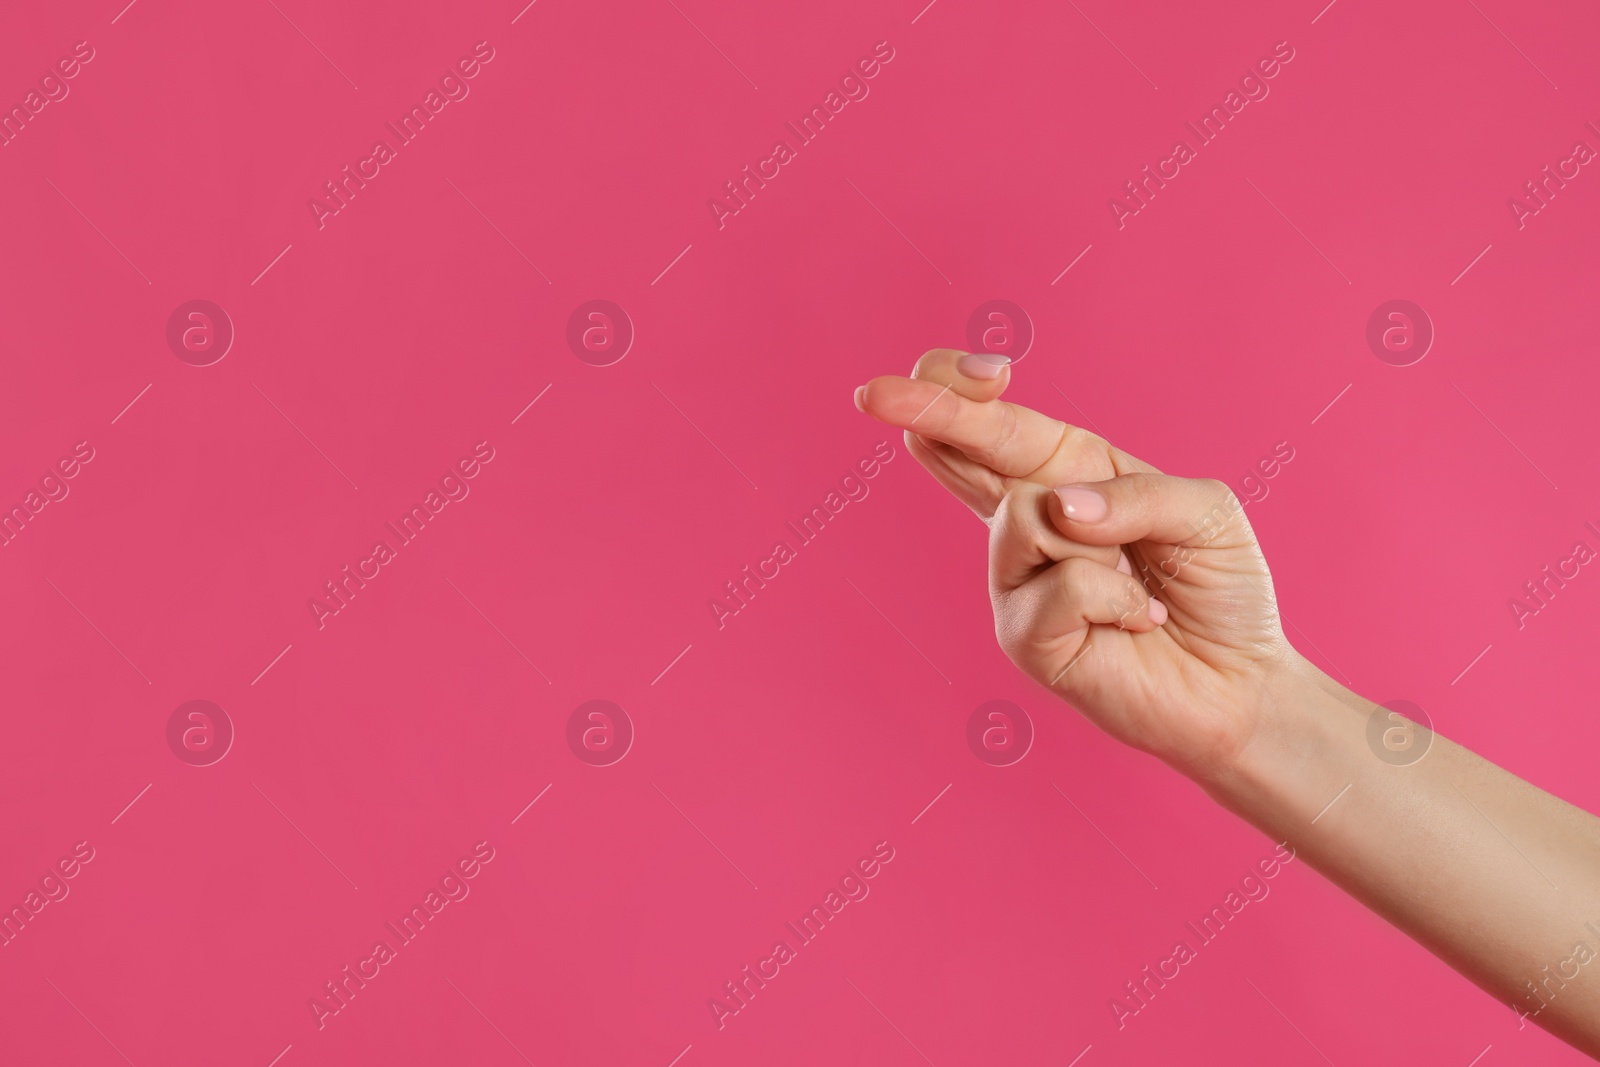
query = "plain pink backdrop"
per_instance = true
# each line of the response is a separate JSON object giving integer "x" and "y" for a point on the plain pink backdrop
{"x": 772, "y": 753}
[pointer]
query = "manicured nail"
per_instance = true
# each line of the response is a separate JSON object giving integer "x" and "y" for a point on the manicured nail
{"x": 1081, "y": 503}
{"x": 861, "y": 397}
{"x": 984, "y": 366}
{"x": 1158, "y": 612}
{"x": 1123, "y": 565}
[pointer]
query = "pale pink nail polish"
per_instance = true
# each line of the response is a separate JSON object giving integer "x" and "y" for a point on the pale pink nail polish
{"x": 1081, "y": 503}
{"x": 1158, "y": 612}
{"x": 861, "y": 398}
{"x": 984, "y": 366}
{"x": 1123, "y": 565}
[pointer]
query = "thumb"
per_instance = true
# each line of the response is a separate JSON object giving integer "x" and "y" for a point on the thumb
{"x": 1193, "y": 512}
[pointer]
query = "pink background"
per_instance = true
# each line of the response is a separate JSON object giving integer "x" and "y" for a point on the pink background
{"x": 828, "y": 714}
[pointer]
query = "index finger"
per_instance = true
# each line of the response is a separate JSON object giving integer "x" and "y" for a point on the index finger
{"x": 1012, "y": 440}
{"x": 1009, "y": 439}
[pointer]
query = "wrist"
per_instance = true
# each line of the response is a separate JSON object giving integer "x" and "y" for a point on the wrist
{"x": 1305, "y": 732}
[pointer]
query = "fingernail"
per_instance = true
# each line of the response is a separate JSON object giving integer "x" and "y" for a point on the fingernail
{"x": 861, "y": 397}
{"x": 1123, "y": 565}
{"x": 984, "y": 366}
{"x": 1081, "y": 503}
{"x": 1158, "y": 612}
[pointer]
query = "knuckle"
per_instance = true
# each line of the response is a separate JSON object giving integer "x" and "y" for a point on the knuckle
{"x": 1223, "y": 508}
{"x": 1005, "y": 432}
{"x": 1128, "y": 600}
{"x": 1020, "y": 506}
{"x": 1079, "y": 437}
{"x": 1016, "y": 520}
{"x": 1144, "y": 485}
{"x": 1011, "y": 632}
{"x": 927, "y": 361}
{"x": 1219, "y": 492}
{"x": 1018, "y": 620}
{"x": 945, "y": 410}
{"x": 1077, "y": 574}
{"x": 1011, "y": 506}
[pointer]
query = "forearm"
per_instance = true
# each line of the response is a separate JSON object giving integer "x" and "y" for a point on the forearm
{"x": 1496, "y": 877}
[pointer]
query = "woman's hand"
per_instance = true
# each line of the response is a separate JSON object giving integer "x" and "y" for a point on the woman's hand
{"x": 1142, "y": 599}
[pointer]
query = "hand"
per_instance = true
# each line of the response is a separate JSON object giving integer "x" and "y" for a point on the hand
{"x": 1144, "y": 601}
{"x": 1141, "y": 599}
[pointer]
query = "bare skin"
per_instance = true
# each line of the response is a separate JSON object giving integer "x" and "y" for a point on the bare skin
{"x": 1144, "y": 601}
